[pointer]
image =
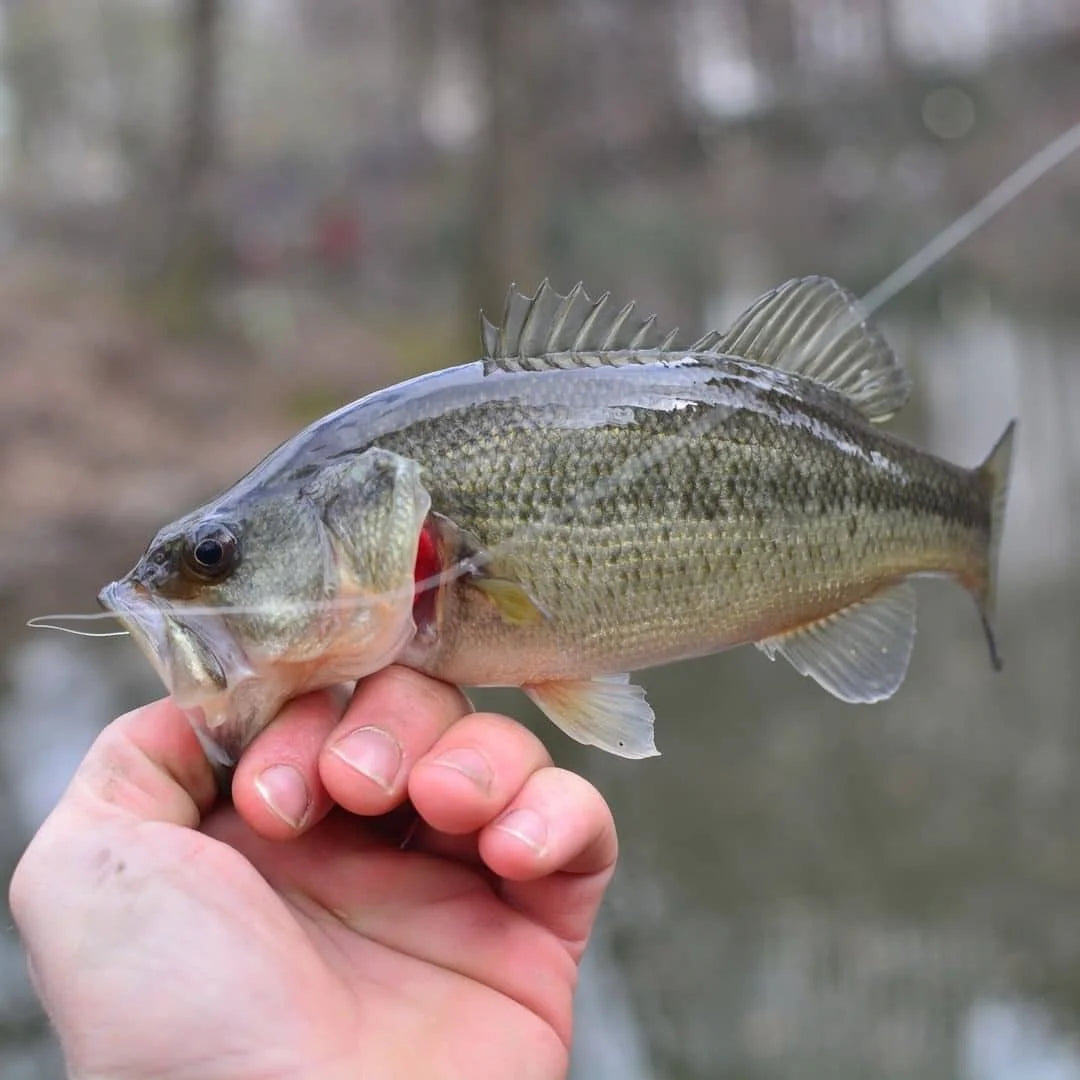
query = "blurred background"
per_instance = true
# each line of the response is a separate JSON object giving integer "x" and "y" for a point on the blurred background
{"x": 220, "y": 220}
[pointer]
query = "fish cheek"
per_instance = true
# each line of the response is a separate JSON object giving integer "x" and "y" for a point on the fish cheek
{"x": 275, "y": 599}
{"x": 372, "y": 508}
{"x": 194, "y": 669}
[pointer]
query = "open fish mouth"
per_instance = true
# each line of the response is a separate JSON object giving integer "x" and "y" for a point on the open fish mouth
{"x": 143, "y": 620}
{"x": 196, "y": 657}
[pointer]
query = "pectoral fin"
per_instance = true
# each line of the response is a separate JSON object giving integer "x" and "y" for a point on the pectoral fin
{"x": 511, "y": 600}
{"x": 607, "y": 711}
{"x": 859, "y": 654}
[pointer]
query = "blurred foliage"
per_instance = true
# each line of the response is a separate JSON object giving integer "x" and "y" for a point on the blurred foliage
{"x": 221, "y": 220}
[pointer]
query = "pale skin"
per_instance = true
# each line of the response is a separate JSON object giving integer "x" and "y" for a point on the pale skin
{"x": 425, "y": 919}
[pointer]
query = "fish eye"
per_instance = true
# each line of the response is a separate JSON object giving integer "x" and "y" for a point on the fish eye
{"x": 210, "y": 552}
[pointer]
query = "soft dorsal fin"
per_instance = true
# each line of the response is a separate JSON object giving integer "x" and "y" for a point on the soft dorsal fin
{"x": 550, "y": 330}
{"x": 812, "y": 327}
{"x": 859, "y": 654}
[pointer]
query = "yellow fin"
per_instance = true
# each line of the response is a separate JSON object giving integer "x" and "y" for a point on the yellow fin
{"x": 858, "y": 654}
{"x": 511, "y": 600}
{"x": 607, "y": 711}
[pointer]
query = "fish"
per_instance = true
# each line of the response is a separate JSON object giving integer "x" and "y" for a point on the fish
{"x": 585, "y": 500}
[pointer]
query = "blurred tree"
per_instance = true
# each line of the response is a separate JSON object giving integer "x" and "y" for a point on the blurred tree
{"x": 585, "y": 106}
{"x": 891, "y": 49}
{"x": 34, "y": 73}
{"x": 511, "y": 158}
{"x": 772, "y": 40}
{"x": 182, "y": 287}
{"x": 414, "y": 32}
{"x": 198, "y": 134}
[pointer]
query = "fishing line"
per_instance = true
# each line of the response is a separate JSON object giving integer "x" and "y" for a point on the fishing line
{"x": 946, "y": 241}
{"x": 46, "y": 622}
{"x": 271, "y": 606}
{"x": 988, "y": 207}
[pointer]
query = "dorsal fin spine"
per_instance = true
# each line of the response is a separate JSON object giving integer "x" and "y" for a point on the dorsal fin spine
{"x": 572, "y": 297}
{"x": 639, "y": 339}
{"x": 523, "y": 348}
{"x": 583, "y": 333}
{"x": 613, "y": 334}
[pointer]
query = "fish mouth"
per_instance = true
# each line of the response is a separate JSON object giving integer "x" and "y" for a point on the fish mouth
{"x": 196, "y": 657}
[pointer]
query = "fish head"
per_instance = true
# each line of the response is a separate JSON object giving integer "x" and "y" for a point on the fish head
{"x": 266, "y": 593}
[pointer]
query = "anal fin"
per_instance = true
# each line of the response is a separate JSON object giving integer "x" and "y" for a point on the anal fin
{"x": 607, "y": 711}
{"x": 858, "y": 654}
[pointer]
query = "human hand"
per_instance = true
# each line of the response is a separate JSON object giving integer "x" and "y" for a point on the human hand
{"x": 172, "y": 938}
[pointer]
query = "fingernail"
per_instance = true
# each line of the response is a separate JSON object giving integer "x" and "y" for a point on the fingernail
{"x": 373, "y": 753}
{"x": 283, "y": 790}
{"x": 470, "y": 763}
{"x": 528, "y": 826}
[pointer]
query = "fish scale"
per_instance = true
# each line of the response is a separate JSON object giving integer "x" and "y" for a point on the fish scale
{"x": 750, "y": 521}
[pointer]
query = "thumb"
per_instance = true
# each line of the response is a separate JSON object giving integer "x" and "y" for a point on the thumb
{"x": 116, "y": 905}
{"x": 146, "y": 767}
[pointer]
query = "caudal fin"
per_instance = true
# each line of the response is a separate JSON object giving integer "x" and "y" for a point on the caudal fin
{"x": 993, "y": 475}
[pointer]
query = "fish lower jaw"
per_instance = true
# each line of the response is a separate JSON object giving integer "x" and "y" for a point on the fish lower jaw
{"x": 226, "y": 723}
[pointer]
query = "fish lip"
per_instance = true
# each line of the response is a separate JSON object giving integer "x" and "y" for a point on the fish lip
{"x": 155, "y": 628}
{"x": 143, "y": 619}
{"x": 214, "y": 698}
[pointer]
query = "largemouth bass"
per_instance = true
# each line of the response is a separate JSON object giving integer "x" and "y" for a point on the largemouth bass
{"x": 585, "y": 500}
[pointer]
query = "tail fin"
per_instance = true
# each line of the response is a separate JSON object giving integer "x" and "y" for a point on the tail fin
{"x": 993, "y": 475}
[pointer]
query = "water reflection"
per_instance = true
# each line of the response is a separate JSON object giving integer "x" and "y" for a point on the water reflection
{"x": 1015, "y": 1040}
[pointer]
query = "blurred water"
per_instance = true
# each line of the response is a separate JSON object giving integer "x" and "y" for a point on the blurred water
{"x": 1015, "y": 1040}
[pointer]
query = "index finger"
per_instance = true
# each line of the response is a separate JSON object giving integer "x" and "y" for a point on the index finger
{"x": 320, "y": 751}
{"x": 394, "y": 718}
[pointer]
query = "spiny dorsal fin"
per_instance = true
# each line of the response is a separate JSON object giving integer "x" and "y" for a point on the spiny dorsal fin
{"x": 859, "y": 654}
{"x": 812, "y": 327}
{"x": 550, "y": 330}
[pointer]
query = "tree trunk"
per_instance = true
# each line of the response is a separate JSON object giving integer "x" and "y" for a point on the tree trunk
{"x": 198, "y": 137}
{"x": 511, "y": 166}
{"x": 182, "y": 289}
{"x": 771, "y": 28}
